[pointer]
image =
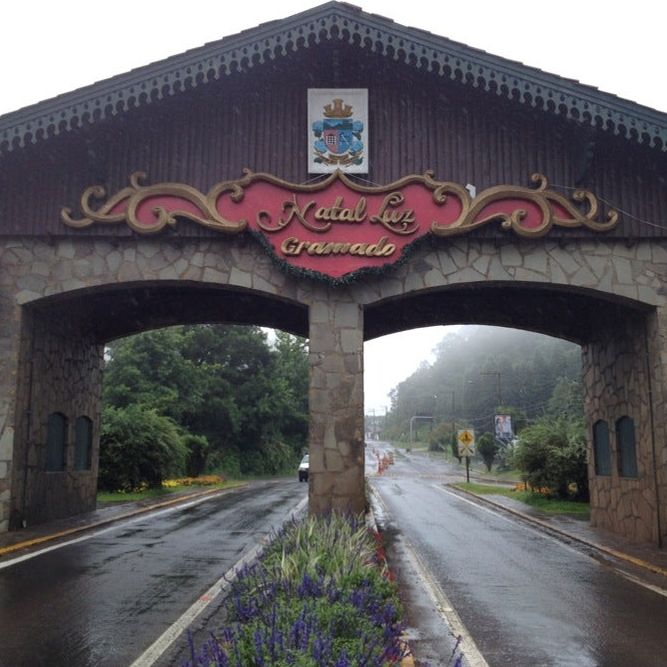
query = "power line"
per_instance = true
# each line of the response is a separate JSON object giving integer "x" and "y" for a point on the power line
{"x": 616, "y": 208}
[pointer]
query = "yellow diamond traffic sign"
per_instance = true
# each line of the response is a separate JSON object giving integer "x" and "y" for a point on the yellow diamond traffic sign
{"x": 465, "y": 439}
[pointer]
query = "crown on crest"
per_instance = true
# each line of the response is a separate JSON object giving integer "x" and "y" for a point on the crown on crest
{"x": 337, "y": 109}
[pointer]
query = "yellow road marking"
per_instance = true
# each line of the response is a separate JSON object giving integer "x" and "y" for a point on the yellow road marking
{"x": 71, "y": 531}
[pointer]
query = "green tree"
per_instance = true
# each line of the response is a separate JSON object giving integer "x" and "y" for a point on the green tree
{"x": 241, "y": 402}
{"x": 454, "y": 447}
{"x": 487, "y": 448}
{"x": 567, "y": 399}
{"x": 150, "y": 370}
{"x": 198, "y": 450}
{"x": 292, "y": 373}
{"x": 463, "y": 384}
{"x": 440, "y": 437}
{"x": 552, "y": 454}
{"x": 138, "y": 447}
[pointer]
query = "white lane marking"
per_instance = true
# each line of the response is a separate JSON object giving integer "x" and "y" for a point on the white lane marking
{"x": 155, "y": 651}
{"x": 173, "y": 632}
{"x": 442, "y": 603}
{"x": 517, "y": 521}
{"x": 473, "y": 655}
{"x": 639, "y": 582}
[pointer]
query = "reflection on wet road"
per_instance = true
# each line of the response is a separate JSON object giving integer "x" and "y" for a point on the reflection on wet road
{"x": 525, "y": 598}
{"x": 104, "y": 600}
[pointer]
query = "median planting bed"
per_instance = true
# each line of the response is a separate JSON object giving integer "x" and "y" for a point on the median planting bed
{"x": 321, "y": 595}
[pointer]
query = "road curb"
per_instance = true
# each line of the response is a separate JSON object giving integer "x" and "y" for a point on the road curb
{"x": 119, "y": 517}
{"x": 656, "y": 569}
{"x": 408, "y": 660}
{"x": 171, "y": 635}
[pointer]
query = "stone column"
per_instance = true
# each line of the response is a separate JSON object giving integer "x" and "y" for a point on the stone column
{"x": 656, "y": 346}
{"x": 336, "y": 478}
{"x": 60, "y": 370}
{"x": 623, "y": 376}
{"x": 9, "y": 352}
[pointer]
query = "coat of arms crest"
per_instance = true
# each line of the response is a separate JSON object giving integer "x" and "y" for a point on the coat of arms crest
{"x": 338, "y": 130}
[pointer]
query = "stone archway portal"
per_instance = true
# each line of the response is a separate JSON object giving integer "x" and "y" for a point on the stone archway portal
{"x": 337, "y": 259}
{"x": 337, "y": 232}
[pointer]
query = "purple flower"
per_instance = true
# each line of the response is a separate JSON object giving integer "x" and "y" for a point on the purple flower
{"x": 343, "y": 660}
{"x": 259, "y": 649}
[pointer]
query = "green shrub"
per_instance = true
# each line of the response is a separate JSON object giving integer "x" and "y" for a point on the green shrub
{"x": 439, "y": 437}
{"x": 226, "y": 463}
{"x": 552, "y": 454}
{"x": 198, "y": 450}
{"x": 138, "y": 448}
{"x": 487, "y": 448}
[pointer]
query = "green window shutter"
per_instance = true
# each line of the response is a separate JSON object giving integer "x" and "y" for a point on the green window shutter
{"x": 601, "y": 450}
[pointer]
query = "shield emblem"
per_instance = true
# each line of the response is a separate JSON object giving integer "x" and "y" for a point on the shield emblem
{"x": 338, "y": 136}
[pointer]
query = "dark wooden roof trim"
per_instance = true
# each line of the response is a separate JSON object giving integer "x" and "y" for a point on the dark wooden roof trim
{"x": 346, "y": 23}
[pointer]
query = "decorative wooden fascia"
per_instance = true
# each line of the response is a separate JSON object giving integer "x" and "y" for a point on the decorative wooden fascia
{"x": 346, "y": 24}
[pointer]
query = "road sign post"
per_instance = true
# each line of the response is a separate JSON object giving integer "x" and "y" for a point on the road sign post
{"x": 465, "y": 440}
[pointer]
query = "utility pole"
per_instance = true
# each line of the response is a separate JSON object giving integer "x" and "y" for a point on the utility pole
{"x": 499, "y": 393}
{"x": 453, "y": 416}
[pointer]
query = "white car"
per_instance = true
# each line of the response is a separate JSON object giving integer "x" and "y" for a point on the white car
{"x": 303, "y": 469}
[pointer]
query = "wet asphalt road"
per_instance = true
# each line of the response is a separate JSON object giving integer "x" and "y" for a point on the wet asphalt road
{"x": 526, "y": 599}
{"x": 104, "y": 600}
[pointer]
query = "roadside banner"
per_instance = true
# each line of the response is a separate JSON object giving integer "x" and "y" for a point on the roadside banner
{"x": 503, "y": 427}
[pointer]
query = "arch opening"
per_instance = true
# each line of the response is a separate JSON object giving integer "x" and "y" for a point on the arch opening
{"x": 621, "y": 378}
{"x": 110, "y": 312}
{"x": 61, "y": 364}
{"x": 577, "y": 315}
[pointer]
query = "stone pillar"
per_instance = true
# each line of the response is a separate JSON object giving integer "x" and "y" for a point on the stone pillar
{"x": 60, "y": 370}
{"x": 656, "y": 340}
{"x": 623, "y": 376}
{"x": 336, "y": 478}
{"x": 9, "y": 346}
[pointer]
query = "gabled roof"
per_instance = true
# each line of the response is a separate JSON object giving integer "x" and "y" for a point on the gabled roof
{"x": 347, "y": 24}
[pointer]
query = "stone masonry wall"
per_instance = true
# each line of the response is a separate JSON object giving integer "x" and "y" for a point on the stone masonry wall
{"x": 9, "y": 352}
{"x": 656, "y": 330}
{"x": 336, "y": 429}
{"x": 61, "y": 364}
{"x": 62, "y": 372}
{"x": 64, "y": 355}
{"x": 617, "y": 384}
{"x": 637, "y": 271}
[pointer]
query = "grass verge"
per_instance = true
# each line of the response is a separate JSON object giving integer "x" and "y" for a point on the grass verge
{"x": 117, "y": 497}
{"x": 505, "y": 475}
{"x": 537, "y": 500}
